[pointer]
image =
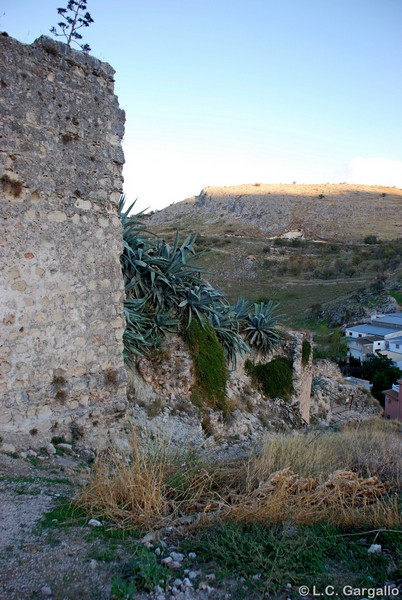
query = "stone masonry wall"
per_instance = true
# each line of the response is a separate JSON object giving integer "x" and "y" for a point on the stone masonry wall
{"x": 61, "y": 321}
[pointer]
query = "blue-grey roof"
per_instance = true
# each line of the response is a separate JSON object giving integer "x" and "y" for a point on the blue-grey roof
{"x": 393, "y": 319}
{"x": 398, "y": 340}
{"x": 372, "y": 329}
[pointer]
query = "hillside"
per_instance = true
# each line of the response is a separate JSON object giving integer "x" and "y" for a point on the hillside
{"x": 327, "y": 212}
{"x": 301, "y": 245}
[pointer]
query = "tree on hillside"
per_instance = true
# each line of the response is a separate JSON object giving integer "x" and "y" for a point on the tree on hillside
{"x": 330, "y": 344}
{"x": 382, "y": 373}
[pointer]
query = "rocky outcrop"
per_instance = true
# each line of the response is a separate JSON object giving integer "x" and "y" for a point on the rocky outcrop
{"x": 335, "y": 400}
{"x": 160, "y": 396}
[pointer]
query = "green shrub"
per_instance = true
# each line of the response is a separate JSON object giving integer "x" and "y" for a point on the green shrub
{"x": 209, "y": 363}
{"x": 330, "y": 344}
{"x": 274, "y": 378}
{"x": 382, "y": 373}
{"x": 306, "y": 352}
{"x": 371, "y": 239}
{"x": 144, "y": 572}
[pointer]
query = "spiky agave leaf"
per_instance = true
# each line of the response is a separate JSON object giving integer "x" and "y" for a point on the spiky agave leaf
{"x": 227, "y": 327}
{"x": 261, "y": 326}
{"x": 199, "y": 301}
{"x": 163, "y": 323}
{"x": 242, "y": 309}
{"x": 137, "y": 337}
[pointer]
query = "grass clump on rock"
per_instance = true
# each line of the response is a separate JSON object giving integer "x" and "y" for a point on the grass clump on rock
{"x": 306, "y": 352}
{"x": 274, "y": 378}
{"x": 209, "y": 364}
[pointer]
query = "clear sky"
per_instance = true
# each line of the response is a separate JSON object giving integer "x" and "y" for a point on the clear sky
{"x": 224, "y": 92}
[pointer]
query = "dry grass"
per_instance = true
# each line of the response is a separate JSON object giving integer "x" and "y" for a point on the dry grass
{"x": 153, "y": 485}
{"x": 344, "y": 499}
{"x": 349, "y": 478}
{"x": 370, "y": 448}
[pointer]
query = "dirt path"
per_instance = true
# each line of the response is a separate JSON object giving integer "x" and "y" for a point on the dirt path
{"x": 37, "y": 562}
{"x": 44, "y": 557}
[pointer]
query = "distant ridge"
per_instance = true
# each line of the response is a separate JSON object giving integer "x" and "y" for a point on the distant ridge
{"x": 320, "y": 211}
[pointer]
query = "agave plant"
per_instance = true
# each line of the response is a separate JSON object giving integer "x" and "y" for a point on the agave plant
{"x": 201, "y": 300}
{"x": 242, "y": 309}
{"x": 226, "y": 324}
{"x": 137, "y": 337}
{"x": 261, "y": 326}
{"x": 165, "y": 291}
{"x": 162, "y": 287}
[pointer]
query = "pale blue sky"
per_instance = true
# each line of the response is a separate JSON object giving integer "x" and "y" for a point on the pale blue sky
{"x": 222, "y": 92}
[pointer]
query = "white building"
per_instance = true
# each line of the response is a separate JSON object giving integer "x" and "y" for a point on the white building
{"x": 383, "y": 334}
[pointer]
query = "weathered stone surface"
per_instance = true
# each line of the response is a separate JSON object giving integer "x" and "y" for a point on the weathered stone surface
{"x": 160, "y": 390}
{"x": 336, "y": 400}
{"x": 61, "y": 287}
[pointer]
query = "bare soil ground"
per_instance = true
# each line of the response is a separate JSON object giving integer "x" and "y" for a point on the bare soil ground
{"x": 36, "y": 562}
{"x": 41, "y": 560}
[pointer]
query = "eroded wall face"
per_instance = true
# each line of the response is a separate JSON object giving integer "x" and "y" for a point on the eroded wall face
{"x": 61, "y": 323}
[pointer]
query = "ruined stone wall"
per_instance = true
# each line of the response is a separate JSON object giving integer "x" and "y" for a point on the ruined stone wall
{"x": 61, "y": 322}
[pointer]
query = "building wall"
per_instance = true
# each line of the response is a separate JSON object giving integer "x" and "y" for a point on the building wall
{"x": 395, "y": 347}
{"x": 61, "y": 322}
{"x": 393, "y": 408}
{"x": 358, "y": 349}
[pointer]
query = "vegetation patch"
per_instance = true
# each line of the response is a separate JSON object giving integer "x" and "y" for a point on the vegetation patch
{"x": 382, "y": 373}
{"x": 349, "y": 478}
{"x": 274, "y": 378}
{"x": 209, "y": 364}
{"x": 330, "y": 344}
{"x": 66, "y": 514}
{"x": 143, "y": 572}
{"x": 306, "y": 352}
{"x": 397, "y": 295}
{"x": 269, "y": 557}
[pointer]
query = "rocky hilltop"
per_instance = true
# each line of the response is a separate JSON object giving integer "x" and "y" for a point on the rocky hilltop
{"x": 324, "y": 211}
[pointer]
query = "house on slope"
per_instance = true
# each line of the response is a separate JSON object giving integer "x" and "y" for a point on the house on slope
{"x": 393, "y": 402}
{"x": 370, "y": 338}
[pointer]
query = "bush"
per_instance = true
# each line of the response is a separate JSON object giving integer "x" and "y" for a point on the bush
{"x": 274, "y": 378}
{"x": 371, "y": 239}
{"x": 382, "y": 373}
{"x": 330, "y": 344}
{"x": 269, "y": 557}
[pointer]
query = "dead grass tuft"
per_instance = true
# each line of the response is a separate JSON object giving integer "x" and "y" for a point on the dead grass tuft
{"x": 344, "y": 499}
{"x": 154, "y": 484}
